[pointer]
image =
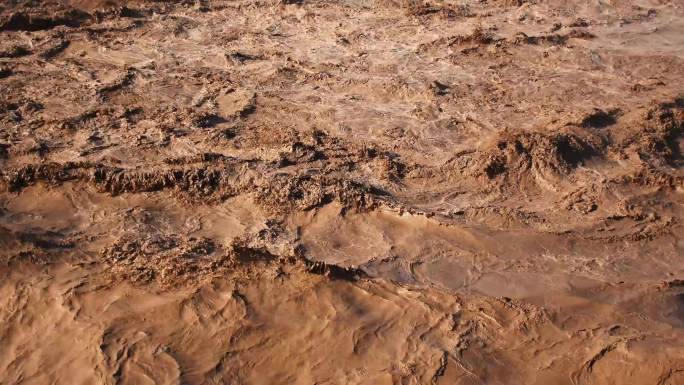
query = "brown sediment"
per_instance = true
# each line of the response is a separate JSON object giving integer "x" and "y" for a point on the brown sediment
{"x": 353, "y": 192}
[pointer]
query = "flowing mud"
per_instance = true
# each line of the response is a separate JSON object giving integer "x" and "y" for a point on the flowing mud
{"x": 342, "y": 192}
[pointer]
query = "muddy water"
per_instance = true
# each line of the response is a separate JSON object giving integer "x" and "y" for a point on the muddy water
{"x": 354, "y": 192}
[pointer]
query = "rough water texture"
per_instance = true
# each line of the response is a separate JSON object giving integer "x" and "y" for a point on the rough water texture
{"x": 342, "y": 192}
